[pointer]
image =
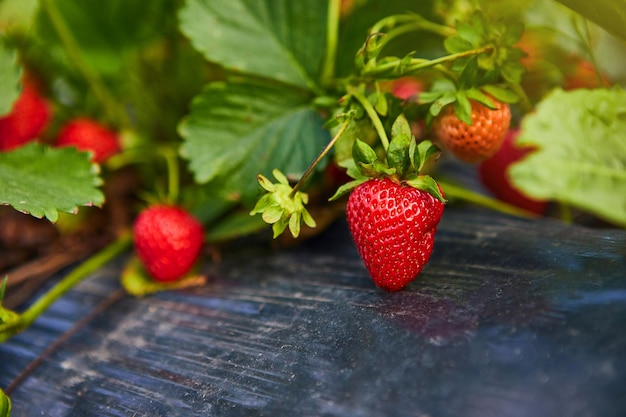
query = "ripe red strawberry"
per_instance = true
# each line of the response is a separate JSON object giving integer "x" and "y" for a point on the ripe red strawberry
{"x": 478, "y": 141}
{"x": 27, "y": 120}
{"x": 493, "y": 175}
{"x": 393, "y": 226}
{"x": 168, "y": 240}
{"x": 89, "y": 135}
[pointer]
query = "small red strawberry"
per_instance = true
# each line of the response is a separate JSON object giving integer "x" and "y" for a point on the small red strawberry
{"x": 493, "y": 175}
{"x": 393, "y": 226}
{"x": 168, "y": 240}
{"x": 478, "y": 141}
{"x": 89, "y": 135}
{"x": 28, "y": 118}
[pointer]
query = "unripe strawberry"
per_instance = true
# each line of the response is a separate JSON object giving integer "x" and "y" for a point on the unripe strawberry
{"x": 90, "y": 135}
{"x": 393, "y": 226}
{"x": 494, "y": 176}
{"x": 478, "y": 141}
{"x": 28, "y": 118}
{"x": 168, "y": 240}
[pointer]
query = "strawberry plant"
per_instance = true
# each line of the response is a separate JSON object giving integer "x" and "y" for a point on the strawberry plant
{"x": 235, "y": 112}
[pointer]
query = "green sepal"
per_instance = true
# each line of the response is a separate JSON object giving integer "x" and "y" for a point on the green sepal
{"x": 5, "y": 405}
{"x": 501, "y": 93}
{"x": 347, "y": 187}
{"x": 281, "y": 207}
{"x": 463, "y": 108}
{"x": 137, "y": 282}
{"x": 9, "y": 319}
{"x": 362, "y": 153}
{"x": 428, "y": 184}
{"x": 421, "y": 153}
{"x": 477, "y": 95}
{"x": 398, "y": 155}
{"x": 401, "y": 126}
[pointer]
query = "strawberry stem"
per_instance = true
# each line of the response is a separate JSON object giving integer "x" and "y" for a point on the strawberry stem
{"x": 319, "y": 157}
{"x": 72, "y": 49}
{"x": 453, "y": 191}
{"x": 373, "y": 115}
{"x": 122, "y": 243}
{"x": 398, "y": 68}
{"x": 332, "y": 35}
{"x": 173, "y": 174}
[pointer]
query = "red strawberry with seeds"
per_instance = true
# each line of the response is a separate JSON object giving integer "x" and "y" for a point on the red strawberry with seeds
{"x": 478, "y": 141}
{"x": 28, "y": 118}
{"x": 393, "y": 226}
{"x": 168, "y": 240}
{"x": 89, "y": 135}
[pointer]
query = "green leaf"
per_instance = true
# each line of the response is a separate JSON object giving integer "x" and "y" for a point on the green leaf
{"x": 9, "y": 78}
{"x": 104, "y": 31}
{"x": 237, "y": 130}
{"x": 581, "y": 152}
{"x": 279, "y": 39}
{"x": 42, "y": 181}
{"x": 463, "y": 108}
{"x": 608, "y": 14}
{"x": 347, "y": 187}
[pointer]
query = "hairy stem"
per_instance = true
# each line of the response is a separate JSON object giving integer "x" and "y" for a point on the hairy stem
{"x": 319, "y": 158}
{"x": 77, "y": 275}
{"x": 373, "y": 115}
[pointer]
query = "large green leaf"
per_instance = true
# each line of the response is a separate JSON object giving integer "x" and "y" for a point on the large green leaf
{"x": 40, "y": 180}
{"x": 238, "y": 130}
{"x": 278, "y": 39}
{"x": 9, "y": 78}
{"x": 581, "y": 156}
{"x": 104, "y": 31}
{"x": 608, "y": 14}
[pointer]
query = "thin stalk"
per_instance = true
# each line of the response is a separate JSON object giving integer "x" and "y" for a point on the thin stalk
{"x": 454, "y": 191}
{"x": 173, "y": 174}
{"x": 418, "y": 64}
{"x": 77, "y": 275}
{"x": 332, "y": 37}
{"x": 318, "y": 159}
{"x": 373, "y": 115}
{"x": 72, "y": 49}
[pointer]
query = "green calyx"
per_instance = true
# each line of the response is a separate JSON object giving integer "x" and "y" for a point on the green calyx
{"x": 281, "y": 206}
{"x": 404, "y": 162}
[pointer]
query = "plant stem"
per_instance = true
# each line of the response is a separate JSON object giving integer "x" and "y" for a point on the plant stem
{"x": 419, "y": 64}
{"x": 332, "y": 36}
{"x": 454, "y": 191}
{"x": 173, "y": 174}
{"x": 373, "y": 115}
{"x": 92, "y": 264}
{"x": 72, "y": 49}
{"x": 319, "y": 157}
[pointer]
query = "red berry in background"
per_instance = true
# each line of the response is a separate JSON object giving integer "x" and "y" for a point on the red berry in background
{"x": 90, "y": 135}
{"x": 493, "y": 175}
{"x": 393, "y": 226}
{"x": 581, "y": 73}
{"x": 478, "y": 141}
{"x": 406, "y": 88}
{"x": 168, "y": 240}
{"x": 28, "y": 118}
